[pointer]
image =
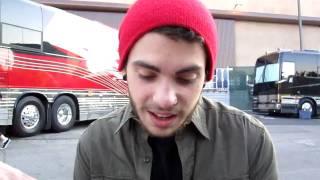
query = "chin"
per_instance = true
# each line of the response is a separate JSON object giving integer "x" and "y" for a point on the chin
{"x": 161, "y": 133}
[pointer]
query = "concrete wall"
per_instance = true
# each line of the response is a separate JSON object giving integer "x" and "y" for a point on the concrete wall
{"x": 253, "y": 39}
{"x": 287, "y": 7}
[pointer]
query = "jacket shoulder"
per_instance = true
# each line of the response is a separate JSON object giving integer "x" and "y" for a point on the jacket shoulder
{"x": 103, "y": 128}
{"x": 231, "y": 119}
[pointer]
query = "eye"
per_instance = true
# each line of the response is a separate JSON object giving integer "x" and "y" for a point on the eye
{"x": 187, "y": 78}
{"x": 146, "y": 75}
{"x": 184, "y": 81}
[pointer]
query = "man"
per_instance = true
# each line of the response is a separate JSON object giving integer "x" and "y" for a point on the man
{"x": 4, "y": 141}
{"x": 168, "y": 131}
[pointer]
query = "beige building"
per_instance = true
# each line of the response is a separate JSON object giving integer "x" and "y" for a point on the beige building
{"x": 247, "y": 28}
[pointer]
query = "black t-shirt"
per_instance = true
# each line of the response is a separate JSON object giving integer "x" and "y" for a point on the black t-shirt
{"x": 166, "y": 164}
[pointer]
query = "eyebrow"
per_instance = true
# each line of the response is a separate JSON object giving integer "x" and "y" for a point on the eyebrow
{"x": 192, "y": 68}
{"x": 146, "y": 65}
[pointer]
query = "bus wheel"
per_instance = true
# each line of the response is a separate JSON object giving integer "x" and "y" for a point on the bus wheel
{"x": 29, "y": 117}
{"x": 63, "y": 114}
{"x": 306, "y": 104}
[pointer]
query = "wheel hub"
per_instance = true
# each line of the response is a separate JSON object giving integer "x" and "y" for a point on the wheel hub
{"x": 64, "y": 114}
{"x": 306, "y": 107}
{"x": 30, "y": 116}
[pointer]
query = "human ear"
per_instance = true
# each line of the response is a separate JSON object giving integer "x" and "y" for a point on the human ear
{"x": 124, "y": 74}
{"x": 124, "y": 77}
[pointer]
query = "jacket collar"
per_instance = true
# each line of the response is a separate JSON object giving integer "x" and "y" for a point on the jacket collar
{"x": 198, "y": 118}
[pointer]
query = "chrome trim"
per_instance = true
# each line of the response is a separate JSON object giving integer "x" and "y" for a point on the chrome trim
{"x": 92, "y": 103}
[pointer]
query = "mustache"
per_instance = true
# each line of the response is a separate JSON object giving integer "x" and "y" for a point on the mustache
{"x": 153, "y": 108}
{"x": 157, "y": 109}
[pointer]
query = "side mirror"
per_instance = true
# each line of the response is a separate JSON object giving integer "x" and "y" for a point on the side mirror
{"x": 249, "y": 81}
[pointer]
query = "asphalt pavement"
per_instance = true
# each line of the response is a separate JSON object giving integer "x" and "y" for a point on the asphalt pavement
{"x": 50, "y": 156}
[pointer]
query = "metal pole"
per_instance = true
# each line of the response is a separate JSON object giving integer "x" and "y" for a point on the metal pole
{"x": 300, "y": 26}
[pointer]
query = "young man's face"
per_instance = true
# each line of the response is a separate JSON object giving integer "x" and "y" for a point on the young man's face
{"x": 165, "y": 79}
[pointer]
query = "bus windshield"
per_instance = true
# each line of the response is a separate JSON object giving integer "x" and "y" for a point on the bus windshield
{"x": 267, "y": 69}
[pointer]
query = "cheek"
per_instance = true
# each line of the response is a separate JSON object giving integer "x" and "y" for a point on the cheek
{"x": 191, "y": 90}
{"x": 188, "y": 97}
{"x": 139, "y": 92}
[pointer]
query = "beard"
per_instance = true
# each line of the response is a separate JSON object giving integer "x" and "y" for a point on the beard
{"x": 183, "y": 124}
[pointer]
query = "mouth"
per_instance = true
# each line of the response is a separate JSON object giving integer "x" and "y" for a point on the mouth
{"x": 162, "y": 120}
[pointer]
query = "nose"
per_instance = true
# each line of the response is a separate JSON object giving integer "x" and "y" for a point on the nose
{"x": 165, "y": 96}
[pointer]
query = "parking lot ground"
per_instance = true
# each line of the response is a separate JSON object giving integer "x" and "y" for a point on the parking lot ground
{"x": 50, "y": 156}
{"x": 297, "y": 146}
{"x": 47, "y": 156}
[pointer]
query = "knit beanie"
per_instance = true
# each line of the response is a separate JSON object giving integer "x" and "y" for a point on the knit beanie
{"x": 146, "y": 15}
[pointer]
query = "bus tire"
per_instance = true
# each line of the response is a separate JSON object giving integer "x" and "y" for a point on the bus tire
{"x": 307, "y": 103}
{"x": 63, "y": 114}
{"x": 29, "y": 117}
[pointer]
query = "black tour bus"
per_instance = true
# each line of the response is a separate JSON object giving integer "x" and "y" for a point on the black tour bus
{"x": 287, "y": 82}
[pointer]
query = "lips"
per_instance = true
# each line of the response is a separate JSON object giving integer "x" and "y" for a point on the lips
{"x": 162, "y": 120}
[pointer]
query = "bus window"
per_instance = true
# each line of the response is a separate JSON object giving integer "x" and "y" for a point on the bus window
{"x": 267, "y": 68}
{"x": 259, "y": 74}
{"x": 271, "y": 73}
{"x": 288, "y": 69}
{"x": 305, "y": 64}
{"x": 21, "y": 31}
{"x": 17, "y": 36}
{"x": 31, "y": 18}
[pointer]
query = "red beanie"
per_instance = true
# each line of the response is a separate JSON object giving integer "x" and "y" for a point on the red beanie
{"x": 146, "y": 15}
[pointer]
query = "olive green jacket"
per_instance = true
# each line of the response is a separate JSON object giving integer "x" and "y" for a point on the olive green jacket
{"x": 218, "y": 143}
